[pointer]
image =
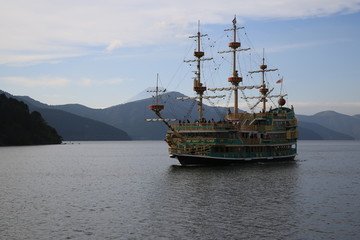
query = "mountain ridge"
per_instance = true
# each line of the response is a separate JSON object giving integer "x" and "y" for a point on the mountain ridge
{"x": 131, "y": 116}
{"x": 335, "y": 121}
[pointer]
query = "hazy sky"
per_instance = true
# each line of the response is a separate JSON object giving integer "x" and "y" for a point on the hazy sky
{"x": 101, "y": 53}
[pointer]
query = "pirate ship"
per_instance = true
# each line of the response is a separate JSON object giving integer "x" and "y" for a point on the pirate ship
{"x": 267, "y": 135}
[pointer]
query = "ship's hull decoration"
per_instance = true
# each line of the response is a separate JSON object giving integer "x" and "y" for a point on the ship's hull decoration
{"x": 270, "y": 135}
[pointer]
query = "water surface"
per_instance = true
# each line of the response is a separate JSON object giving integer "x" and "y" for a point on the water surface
{"x": 132, "y": 190}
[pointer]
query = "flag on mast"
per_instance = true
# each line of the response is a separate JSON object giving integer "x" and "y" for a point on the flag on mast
{"x": 234, "y": 20}
{"x": 280, "y": 80}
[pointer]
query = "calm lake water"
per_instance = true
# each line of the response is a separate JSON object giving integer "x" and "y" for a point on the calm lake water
{"x": 132, "y": 190}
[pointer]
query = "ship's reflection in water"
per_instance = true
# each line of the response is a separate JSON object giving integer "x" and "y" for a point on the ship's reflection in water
{"x": 232, "y": 202}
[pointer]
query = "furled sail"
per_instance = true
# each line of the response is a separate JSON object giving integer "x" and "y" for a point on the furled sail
{"x": 160, "y": 119}
{"x": 233, "y": 88}
{"x": 271, "y": 96}
{"x": 204, "y": 97}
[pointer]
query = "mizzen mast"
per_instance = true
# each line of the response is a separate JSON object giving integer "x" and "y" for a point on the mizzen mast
{"x": 263, "y": 90}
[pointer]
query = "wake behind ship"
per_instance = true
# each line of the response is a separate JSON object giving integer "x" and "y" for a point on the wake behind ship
{"x": 267, "y": 135}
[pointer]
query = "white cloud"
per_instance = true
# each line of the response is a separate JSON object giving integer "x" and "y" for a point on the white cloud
{"x": 50, "y": 81}
{"x": 298, "y": 45}
{"x": 113, "y": 45}
{"x": 53, "y": 29}
{"x": 37, "y": 82}
{"x": 114, "y": 81}
{"x": 88, "y": 82}
{"x": 20, "y": 59}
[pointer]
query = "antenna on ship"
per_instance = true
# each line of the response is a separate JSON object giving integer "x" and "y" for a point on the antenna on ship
{"x": 199, "y": 87}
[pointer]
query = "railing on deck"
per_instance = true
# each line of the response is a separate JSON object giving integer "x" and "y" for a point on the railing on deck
{"x": 201, "y": 126}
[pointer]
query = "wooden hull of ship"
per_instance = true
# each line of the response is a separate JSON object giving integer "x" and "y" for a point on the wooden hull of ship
{"x": 194, "y": 160}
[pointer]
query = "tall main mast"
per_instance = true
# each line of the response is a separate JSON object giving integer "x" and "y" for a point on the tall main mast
{"x": 235, "y": 79}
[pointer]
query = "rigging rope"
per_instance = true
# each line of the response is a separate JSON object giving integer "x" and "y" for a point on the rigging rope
{"x": 216, "y": 109}
{"x": 187, "y": 116}
{"x": 246, "y": 100}
{"x": 228, "y": 102}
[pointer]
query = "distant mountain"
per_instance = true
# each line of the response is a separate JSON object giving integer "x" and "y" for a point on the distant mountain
{"x": 144, "y": 94}
{"x": 73, "y": 127}
{"x": 314, "y": 131}
{"x": 131, "y": 117}
{"x": 341, "y": 123}
{"x": 307, "y": 134}
{"x": 20, "y": 127}
{"x": 76, "y": 128}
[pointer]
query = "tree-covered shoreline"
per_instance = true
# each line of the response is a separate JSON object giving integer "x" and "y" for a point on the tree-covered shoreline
{"x": 20, "y": 127}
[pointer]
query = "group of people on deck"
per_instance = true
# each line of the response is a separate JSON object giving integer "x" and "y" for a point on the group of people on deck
{"x": 203, "y": 120}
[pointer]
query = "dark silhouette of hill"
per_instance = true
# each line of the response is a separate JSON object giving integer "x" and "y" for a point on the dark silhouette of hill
{"x": 20, "y": 127}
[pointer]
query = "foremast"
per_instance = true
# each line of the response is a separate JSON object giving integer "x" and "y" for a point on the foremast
{"x": 157, "y": 108}
{"x": 199, "y": 87}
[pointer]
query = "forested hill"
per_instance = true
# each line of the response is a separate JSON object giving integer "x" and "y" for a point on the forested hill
{"x": 20, "y": 127}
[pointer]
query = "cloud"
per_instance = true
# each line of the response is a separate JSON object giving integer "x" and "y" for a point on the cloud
{"x": 56, "y": 29}
{"x": 114, "y": 81}
{"x": 113, "y": 45}
{"x": 88, "y": 82}
{"x": 298, "y": 45}
{"x": 21, "y": 59}
{"x": 50, "y": 81}
{"x": 37, "y": 82}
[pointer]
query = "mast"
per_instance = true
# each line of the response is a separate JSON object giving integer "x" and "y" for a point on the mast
{"x": 157, "y": 90}
{"x": 235, "y": 79}
{"x": 157, "y": 107}
{"x": 263, "y": 90}
{"x": 199, "y": 88}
